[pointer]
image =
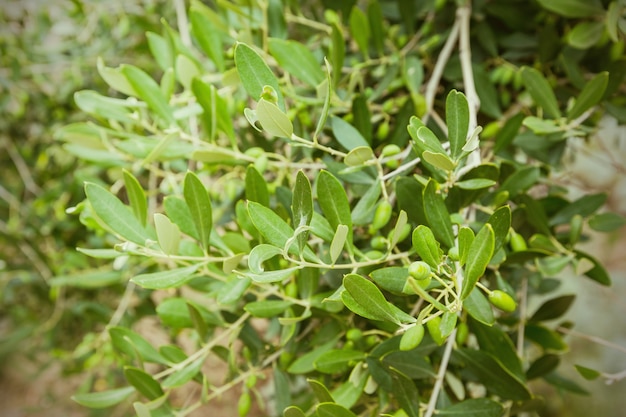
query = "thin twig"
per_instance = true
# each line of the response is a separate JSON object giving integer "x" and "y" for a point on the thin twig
{"x": 443, "y": 367}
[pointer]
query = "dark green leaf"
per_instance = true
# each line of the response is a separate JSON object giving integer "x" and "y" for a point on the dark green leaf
{"x": 143, "y": 382}
{"x": 477, "y": 306}
{"x": 544, "y": 337}
{"x": 333, "y": 410}
{"x": 321, "y": 392}
{"x": 426, "y": 246}
{"x": 184, "y": 375}
{"x": 598, "y": 273}
{"x": 359, "y": 27}
{"x": 256, "y": 187}
{"x": 541, "y": 91}
{"x": 255, "y": 74}
{"x": 267, "y": 308}
{"x": 500, "y": 220}
{"x": 132, "y": 344}
{"x": 465, "y": 239}
{"x": 508, "y": 132}
{"x": 477, "y": 407}
{"x": 337, "y": 360}
{"x": 337, "y": 52}
{"x": 587, "y": 373}
{"x": 437, "y": 214}
{"x": 406, "y": 393}
{"x": 553, "y": 308}
{"x": 491, "y": 374}
{"x": 574, "y": 8}
{"x": 607, "y": 222}
{"x": 115, "y": 214}
{"x": 590, "y": 95}
{"x": 496, "y": 342}
{"x": 136, "y": 197}
{"x": 457, "y": 119}
{"x": 520, "y": 180}
{"x": 333, "y": 201}
{"x": 542, "y": 366}
{"x": 297, "y": 60}
{"x": 478, "y": 258}
{"x": 209, "y": 39}
{"x": 346, "y": 134}
{"x": 214, "y": 114}
{"x": 584, "y": 206}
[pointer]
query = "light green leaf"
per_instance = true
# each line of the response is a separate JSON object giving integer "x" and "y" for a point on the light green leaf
{"x": 437, "y": 214}
{"x": 478, "y": 258}
{"x": 115, "y": 214}
{"x": 133, "y": 345}
{"x": 475, "y": 184}
{"x": 186, "y": 70}
{"x": 255, "y": 74}
{"x": 103, "y": 399}
{"x": 333, "y": 201}
{"x": 101, "y": 106}
{"x": 161, "y": 50}
{"x": 115, "y": 79}
{"x": 256, "y": 187}
{"x": 305, "y": 363}
{"x": 363, "y": 211}
{"x": 184, "y": 375}
{"x": 173, "y": 312}
{"x": 359, "y": 156}
{"x": 500, "y": 220}
{"x": 267, "y": 308}
{"x": 585, "y": 35}
{"x": 328, "y": 93}
{"x": 319, "y": 390}
{"x": 208, "y": 37}
{"x": 398, "y": 228}
{"x": 440, "y": 160}
{"x": 273, "y": 276}
{"x": 270, "y": 224}
{"x": 413, "y": 73}
{"x": 168, "y": 234}
{"x": 587, "y": 373}
{"x": 457, "y": 119}
{"x": 233, "y": 290}
{"x": 197, "y": 199}
{"x": 573, "y": 8}
{"x": 88, "y": 279}
{"x": 293, "y": 411}
{"x": 302, "y": 207}
{"x": 295, "y": 58}
{"x": 136, "y": 197}
{"x": 173, "y": 278}
{"x": 273, "y": 120}
{"x": 346, "y": 134}
{"x": 333, "y": 410}
{"x": 590, "y": 95}
{"x": 607, "y": 222}
{"x": 541, "y": 91}
{"x": 465, "y": 239}
{"x": 338, "y": 242}
{"x": 260, "y": 254}
{"x": 426, "y": 246}
{"x": 476, "y": 407}
{"x": 541, "y": 126}
{"x": 214, "y": 112}
{"x": 143, "y": 382}
{"x": 149, "y": 91}
{"x": 337, "y": 360}
{"x": 423, "y": 138}
{"x": 360, "y": 29}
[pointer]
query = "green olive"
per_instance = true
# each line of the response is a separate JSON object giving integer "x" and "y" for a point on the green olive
{"x": 517, "y": 242}
{"x": 382, "y": 215}
{"x": 502, "y": 300}
{"x": 354, "y": 335}
{"x": 420, "y": 270}
{"x": 412, "y": 337}
{"x": 244, "y": 404}
{"x": 462, "y": 331}
{"x": 435, "y": 330}
{"x": 453, "y": 253}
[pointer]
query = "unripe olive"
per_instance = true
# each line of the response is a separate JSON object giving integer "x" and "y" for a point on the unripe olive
{"x": 420, "y": 270}
{"x": 371, "y": 340}
{"x": 354, "y": 335}
{"x": 390, "y": 150}
{"x": 462, "y": 331}
{"x": 381, "y": 215}
{"x": 435, "y": 330}
{"x": 251, "y": 381}
{"x": 383, "y": 130}
{"x": 291, "y": 289}
{"x": 379, "y": 243}
{"x": 453, "y": 253}
{"x": 502, "y": 300}
{"x": 422, "y": 283}
{"x": 517, "y": 242}
{"x": 244, "y": 404}
{"x": 412, "y": 337}
{"x": 404, "y": 233}
{"x": 575, "y": 229}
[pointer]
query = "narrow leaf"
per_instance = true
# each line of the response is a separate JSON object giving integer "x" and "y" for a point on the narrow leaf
{"x": 437, "y": 214}
{"x": 197, "y": 199}
{"x": 297, "y": 60}
{"x": 103, "y": 399}
{"x": 143, "y": 382}
{"x": 136, "y": 197}
{"x": 457, "y": 119}
{"x": 346, "y": 134}
{"x": 333, "y": 201}
{"x": 478, "y": 258}
{"x": 173, "y": 278}
{"x": 426, "y": 246}
{"x": 168, "y": 234}
{"x": 590, "y": 95}
{"x": 541, "y": 91}
{"x": 338, "y": 242}
{"x": 256, "y": 187}
{"x": 476, "y": 407}
{"x": 149, "y": 91}
{"x": 302, "y": 207}
{"x": 273, "y": 120}
{"x": 254, "y": 73}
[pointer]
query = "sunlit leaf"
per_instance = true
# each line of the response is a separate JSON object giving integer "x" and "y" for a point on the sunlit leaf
{"x": 172, "y": 278}
{"x": 273, "y": 120}
{"x": 103, "y": 399}
{"x": 255, "y": 74}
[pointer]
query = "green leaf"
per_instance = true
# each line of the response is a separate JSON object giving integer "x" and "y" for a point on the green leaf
{"x": 302, "y": 207}
{"x": 233, "y": 290}
{"x": 261, "y": 253}
{"x": 541, "y": 126}
{"x": 541, "y": 91}
{"x": 338, "y": 242}
{"x": 136, "y": 197}
{"x": 426, "y": 246}
{"x": 293, "y": 411}
{"x": 553, "y": 308}
{"x": 295, "y": 58}
{"x": 493, "y": 340}
{"x": 585, "y": 35}
{"x": 115, "y": 79}
{"x": 437, "y": 214}
{"x": 406, "y": 393}
{"x": 478, "y": 258}
{"x": 184, "y": 375}
{"x": 267, "y": 308}
{"x": 173, "y": 278}
{"x": 440, "y": 160}
{"x": 475, "y": 184}
{"x": 413, "y": 73}
{"x": 392, "y": 278}
{"x": 542, "y": 366}
{"x": 457, "y": 119}
{"x": 101, "y": 106}
{"x": 271, "y": 225}
{"x": 590, "y": 95}
{"x": 143, "y": 382}
{"x": 273, "y": 276}
{"x": 255, "y": 74}
{"x": 359, "y": 156}
{"x": 174, "y": 313}
{"x": 273, "y": 120}
{"x": 256, "y": 187}
{"x": 598, "y": 273}
{"x": 333, "y": 410}
{"x": 328, "y": 93}
{"x": 149, "y": 91}
{"x": 186, "y": 70}
{"x": 573, "y": 8}
{"x": 423, "y": 138}
{"x": 584, "y": 206}
{"x": 371, "y": 302}
{"x": 398, "y": 229}
{"x": 337, "y": 52}
{"x": 132, "y": 344}
{"x": 546, "y": 338}
{"x": 337, "y": 360}
{"x": 587, "y": 373}
{"x": 88, "y": 280}
{"x": 333, "y": 201}
{"x": 607, "y": 222}
{"x": 377, "y": 27}
{"x": 207, "y": 97}
{"x": 168, "y": 234}
{"x": 319, "y": 390}
{"x": 209, "y": 39}
{"x": 305, "y": 363}
{"x": 521, "y": 180}
{"x": 115, "y": 214}
{"x": 346, "y": 134}
{"x": 477, "y": 306}
{"x": 500, "y": 221}
{"x": 465, "y": 239}
{"x": 492, "y": 375}
{"x": 103, "y": 399}
{"x": 197, "y": 199}
{"x": 360, "y": 29}
{"x": 476, "y": 407}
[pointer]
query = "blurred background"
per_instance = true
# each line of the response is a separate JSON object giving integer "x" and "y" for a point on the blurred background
{"x": 48, "y": 51}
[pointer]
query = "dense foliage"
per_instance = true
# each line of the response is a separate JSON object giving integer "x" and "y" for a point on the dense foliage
{"x": 350, "y": 203}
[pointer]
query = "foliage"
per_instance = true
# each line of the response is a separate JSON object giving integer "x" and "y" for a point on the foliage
{"x": 268, "y": 193}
